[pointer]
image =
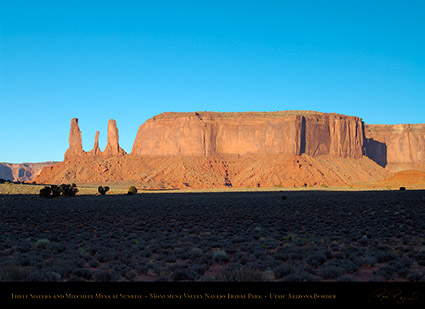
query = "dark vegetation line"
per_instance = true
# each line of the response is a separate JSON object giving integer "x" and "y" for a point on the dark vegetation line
{"x": 251, "y": 236}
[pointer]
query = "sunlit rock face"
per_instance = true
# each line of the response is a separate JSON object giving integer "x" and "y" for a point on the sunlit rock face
{"x": 291, "y": 132}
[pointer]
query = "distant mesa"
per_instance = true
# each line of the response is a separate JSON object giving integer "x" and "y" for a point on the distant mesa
{"x": 211, "y": 149}
{"x": 23, "y": 172}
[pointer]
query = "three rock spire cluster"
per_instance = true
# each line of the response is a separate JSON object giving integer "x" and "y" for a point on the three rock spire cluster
{"x": 112, "y": 148}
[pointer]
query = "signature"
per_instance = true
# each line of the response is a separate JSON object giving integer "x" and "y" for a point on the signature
{"x": 384, "y": 295}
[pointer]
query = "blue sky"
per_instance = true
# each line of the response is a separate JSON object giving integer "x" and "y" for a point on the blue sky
{"x": 131, "y": 60}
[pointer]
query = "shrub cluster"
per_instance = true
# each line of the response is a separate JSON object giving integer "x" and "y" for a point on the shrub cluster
{"x": 254, "y": 236}
{"x": 132, "y": 190}
{"x": 56, "y": 191}
{"x": 102, "y": 190}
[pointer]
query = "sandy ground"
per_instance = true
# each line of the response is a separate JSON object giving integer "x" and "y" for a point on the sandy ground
{"x": 268, "y": 235}
{"x": 91, "y": 189}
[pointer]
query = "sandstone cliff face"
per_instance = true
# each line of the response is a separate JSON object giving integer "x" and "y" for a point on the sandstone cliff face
{"x": 24, "y": 172}
{"x": 396, "y": 147}
{"x": 208, "y": 133}
{"x": 112, "y": 148}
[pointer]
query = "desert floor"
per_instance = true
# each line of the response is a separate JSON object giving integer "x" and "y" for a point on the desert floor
{"x": 275, "y": 235}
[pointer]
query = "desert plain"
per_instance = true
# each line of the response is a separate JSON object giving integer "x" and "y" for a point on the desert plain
{"x": 292, "y": 196}
{"x": 274, "y": 234}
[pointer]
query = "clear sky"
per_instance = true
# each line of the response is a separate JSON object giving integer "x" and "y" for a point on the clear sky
{"x": 131, "y": 60}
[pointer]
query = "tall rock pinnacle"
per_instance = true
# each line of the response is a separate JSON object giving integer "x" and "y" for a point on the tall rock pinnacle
{"x": 96, "y": 150}
{"x": 75, "y": 142}
{"x": 113, "y": 148}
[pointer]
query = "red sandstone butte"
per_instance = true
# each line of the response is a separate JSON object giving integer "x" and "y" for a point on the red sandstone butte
{"x": 291, "y": 132}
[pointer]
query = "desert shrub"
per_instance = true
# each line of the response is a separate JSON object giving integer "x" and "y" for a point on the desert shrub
{"x": 348, "y": 265}
{"x": 132, "y": 190}
{"x": 68, "y": 190}
{"x": 195, "y": 252}
{"x": 105, "y": 276}
{"x": 199, "y": 269}
{"x": 403, "y": 272}
{"x": 56, "y": 247}
{"x": 56, "y": 191}
{"x": 130, "y": 275}
{"x": 317, "y": 259}
{"x": 170, "y": 258}
{"x": 220, "y": 257}
{"x": 94, "y": 263}
{"x": 241, "y": 274}
{"x": 384, "y": 256}
{"x": 299, "y": 276}
{"x": 82, "y": 273}
{"x": 331, "y": 272}
{"x": 12, "y": 272}
{"x": 281, "y": 271}
{"x": 281, "y": 255}
{"x": 44, "y": 276}
{"x": 184, "y": 273}
{"x": 41, "y": 243}
{"x": 386, "y": 272}
{"x": 414, "y": 276}
{"x": 161, "y": 279}
{"x": 102, "y": 190}
{"x": 419, "y": 257}
{"x": 45, "y": 192}
{"x": 364, "y": 241}
{"x": 346, "y": 278}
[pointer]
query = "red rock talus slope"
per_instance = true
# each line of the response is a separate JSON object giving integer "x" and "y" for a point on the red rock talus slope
{"x": 408, "y": 178}
{"x": 216, "y": 171}
{"x": 291, "y": 132}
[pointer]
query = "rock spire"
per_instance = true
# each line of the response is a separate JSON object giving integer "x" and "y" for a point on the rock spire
{"x": 112, "y": 148}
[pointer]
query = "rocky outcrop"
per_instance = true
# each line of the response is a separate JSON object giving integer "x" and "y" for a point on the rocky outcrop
{"x": 96, "y": 149}
{"x": 75, "y": 142}
{"x": 292, "y": 132}
{"x": 112, "y": 148}
{"x": 24, "y": 172}
{"x": 396, "y": 147}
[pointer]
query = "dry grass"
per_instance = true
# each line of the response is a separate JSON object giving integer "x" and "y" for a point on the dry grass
{"x": 91, "y": 189}
{"x": 12, "y": 188}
